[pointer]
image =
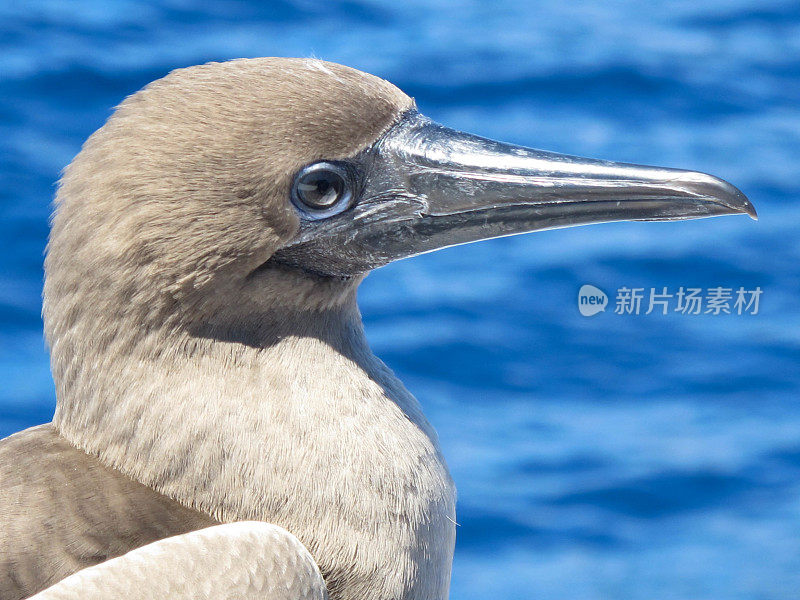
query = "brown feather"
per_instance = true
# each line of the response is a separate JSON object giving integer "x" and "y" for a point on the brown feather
{"x": 63, "y": 510}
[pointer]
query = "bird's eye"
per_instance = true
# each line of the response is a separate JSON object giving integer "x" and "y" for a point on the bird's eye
{"x": 322, "y": 189}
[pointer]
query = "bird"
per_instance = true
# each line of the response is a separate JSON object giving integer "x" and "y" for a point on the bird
{"x": 211, "y": 370}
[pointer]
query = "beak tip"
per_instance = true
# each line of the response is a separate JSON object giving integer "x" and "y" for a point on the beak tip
{"x": 726, "y": 194}
{"x": 751, "y": 210}
{"x": 743, "y": 204}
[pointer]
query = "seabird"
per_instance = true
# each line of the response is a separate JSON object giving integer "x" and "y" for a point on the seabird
{"x": 208, "y": 354}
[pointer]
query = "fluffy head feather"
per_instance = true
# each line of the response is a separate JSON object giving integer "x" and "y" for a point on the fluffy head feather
{"x": 188, "y": 182}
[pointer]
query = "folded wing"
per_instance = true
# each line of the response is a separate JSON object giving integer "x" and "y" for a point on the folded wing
{"x": 238, "y": 560}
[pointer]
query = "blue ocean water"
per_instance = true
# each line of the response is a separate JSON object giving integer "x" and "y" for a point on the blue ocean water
{"x": 617, "y": 456}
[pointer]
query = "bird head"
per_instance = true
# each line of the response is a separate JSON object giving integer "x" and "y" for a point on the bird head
{"x": 223, "y": 187}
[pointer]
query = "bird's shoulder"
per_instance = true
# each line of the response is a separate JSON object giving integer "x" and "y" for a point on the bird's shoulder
{"x": 62, "y": 510}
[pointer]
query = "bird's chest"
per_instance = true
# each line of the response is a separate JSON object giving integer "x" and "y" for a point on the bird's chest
{"x": 365, "y": 487}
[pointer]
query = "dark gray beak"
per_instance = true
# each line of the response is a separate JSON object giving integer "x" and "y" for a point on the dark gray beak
{"x": 423, "y": 186}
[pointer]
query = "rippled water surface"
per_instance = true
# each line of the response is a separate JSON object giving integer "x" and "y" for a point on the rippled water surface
{"x": 631, "y": 457}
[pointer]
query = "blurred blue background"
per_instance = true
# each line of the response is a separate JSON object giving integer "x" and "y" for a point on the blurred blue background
{"x": 630, "y": 457}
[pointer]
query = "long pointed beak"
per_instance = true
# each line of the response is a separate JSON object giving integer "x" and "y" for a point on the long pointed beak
{"x": 427, "y": 187}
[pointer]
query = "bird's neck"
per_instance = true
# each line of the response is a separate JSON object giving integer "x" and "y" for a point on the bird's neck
{"x": 284, "y": 416}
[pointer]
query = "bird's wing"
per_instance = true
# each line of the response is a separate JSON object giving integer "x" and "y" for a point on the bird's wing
{"x": 238, "y": 560}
